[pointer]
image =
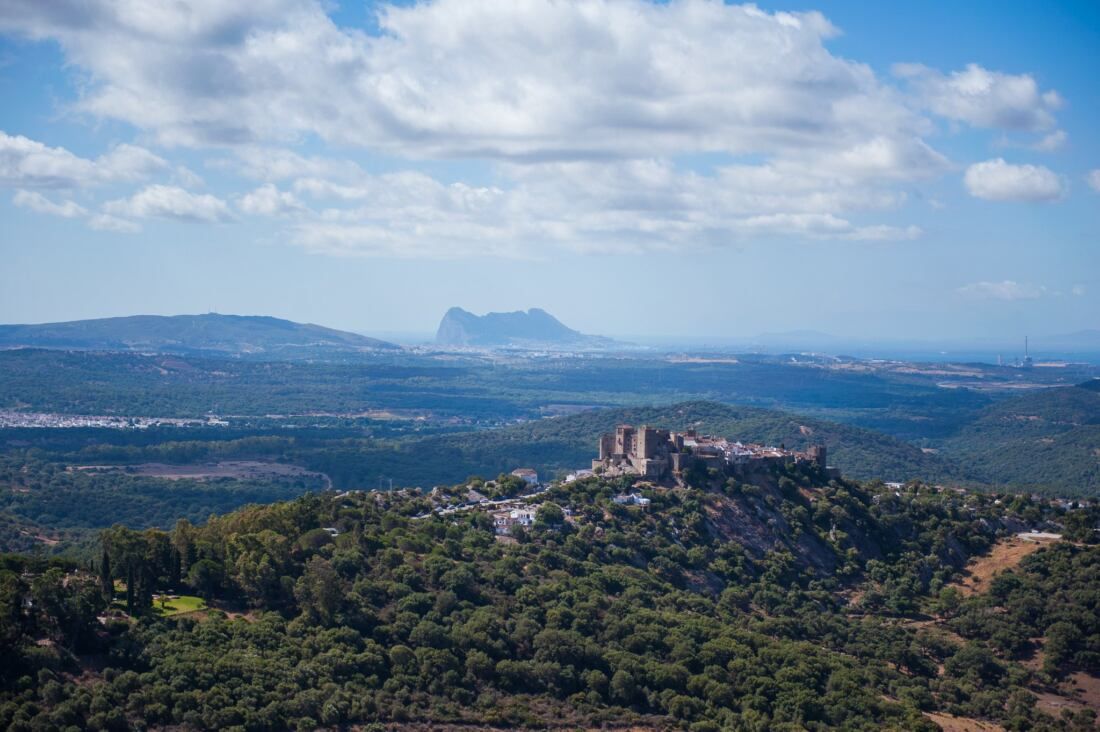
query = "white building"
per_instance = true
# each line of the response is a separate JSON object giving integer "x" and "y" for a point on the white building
{"x": 528, "y": 475}
{"x": 505, "y": 521}
{"x": 630, "y": 499}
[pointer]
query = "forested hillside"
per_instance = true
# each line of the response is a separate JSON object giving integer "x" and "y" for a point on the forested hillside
{"x": 656, "y": 617}
{"x": 563, "y": 444}
{"x": 1048, "y": 440}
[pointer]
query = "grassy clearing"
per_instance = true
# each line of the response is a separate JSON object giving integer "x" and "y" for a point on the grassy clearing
{"x": 169, "y": 605}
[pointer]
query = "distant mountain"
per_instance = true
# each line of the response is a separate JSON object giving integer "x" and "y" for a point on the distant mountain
{"x": 211, "y": 334}
{"x": 534, "y": 328}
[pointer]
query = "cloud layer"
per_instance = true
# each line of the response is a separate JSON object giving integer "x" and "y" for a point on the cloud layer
{"x": 592, "y": 119}
{"x": 1007, "y": 290}
{"x": 26, "y": 163}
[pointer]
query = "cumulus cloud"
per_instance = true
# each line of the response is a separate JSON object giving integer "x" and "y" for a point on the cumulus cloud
{"x": 984, "y": 98}
{"x": 532, "y": 80}
{"x": 1093, "y": 179}
{"x": 1054, "y": 141}
{"x": 35, "y": 201}
{"x": 26, "y": 163}
{"x": 996, "y": 180}
{"x": 628, "y": 206}
{"x": 170, "y": 202}
{"x": 1005, "y": 290}
{"x": 40, "y": 204}
{"x": 267, "y": 200}
{"x": 580, "y": 110}
{"x": 106, "y": 222}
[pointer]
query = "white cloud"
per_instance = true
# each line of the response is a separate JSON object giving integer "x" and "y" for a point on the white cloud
{"x": 170, "y": 202}
{"x": 26, "y": 163}
{"x": 1093, "y": 179}
{"x": 187, "y": 178}
{"x": 267, "y": 200}
{"x": 1005, "y": 290}
{"x": 531, "y": 80}
{"x": 273, "y": 164}
{"x": 627, "y": 206}
{"x": 40, "y": 204}
{"x": 996, "y": 180}
{"x": 106, "y": 222}
{"x": 984, "y": 98}
{"x": 1054, "y": 141}
{"x": 580, "y": 109}
{"x": 1078, "y": 290}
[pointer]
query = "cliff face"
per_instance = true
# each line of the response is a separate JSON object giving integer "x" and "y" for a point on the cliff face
{"x": 533, "y": 328}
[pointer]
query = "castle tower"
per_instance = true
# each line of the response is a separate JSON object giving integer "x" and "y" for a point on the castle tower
{"x": 624, "y": 440}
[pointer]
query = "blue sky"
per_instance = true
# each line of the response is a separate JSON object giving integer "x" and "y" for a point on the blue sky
{"x": 919, "y": 170}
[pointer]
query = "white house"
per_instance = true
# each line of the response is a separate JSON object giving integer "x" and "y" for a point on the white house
{"x": 630, "y": 499}
{"x": 505, "y": 521}
{"x": 528, "y": 475}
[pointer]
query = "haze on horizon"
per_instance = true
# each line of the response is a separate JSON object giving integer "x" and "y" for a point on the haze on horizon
{"x": 693, "y": 169}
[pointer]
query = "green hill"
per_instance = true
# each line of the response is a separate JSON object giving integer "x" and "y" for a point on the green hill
{"x": 209, "y": 333}
{"x": 559, "y": 445}
{"x": 788, "y": 605}
{"x": 1048, "y": 440}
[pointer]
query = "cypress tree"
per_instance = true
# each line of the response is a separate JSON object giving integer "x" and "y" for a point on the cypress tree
{"x": 174, "y": 568}
{"x": 130, "y": 588}
{"x": 106, "y": 581}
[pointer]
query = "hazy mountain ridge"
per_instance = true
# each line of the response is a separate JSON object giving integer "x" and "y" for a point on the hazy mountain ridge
{"x": 533, "y": 328}
{"x": 212, "y": 332}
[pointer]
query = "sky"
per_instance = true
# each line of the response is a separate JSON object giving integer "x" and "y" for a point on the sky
{"x": 691, "y": 168}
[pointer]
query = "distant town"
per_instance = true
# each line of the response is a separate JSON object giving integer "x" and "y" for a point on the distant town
{"x": 10, "y": 419}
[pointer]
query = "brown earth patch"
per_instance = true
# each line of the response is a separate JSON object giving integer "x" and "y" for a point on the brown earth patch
{"x": 951, "y": 723}
{"x": 1005, "y": 554}
{"x": 1087, "y": 690}
{"x": 1053, "y": 704}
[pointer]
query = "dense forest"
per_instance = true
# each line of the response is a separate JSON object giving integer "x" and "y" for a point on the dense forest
{"x": 781, "y": 603}
{"x": 389, "y": 415}
{"x": 45, "y": 506}
{"x": 1049, "y": 438}
{"x": 46, "y": 487}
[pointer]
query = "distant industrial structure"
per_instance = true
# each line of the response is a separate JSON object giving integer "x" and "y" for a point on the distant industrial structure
{"x": 659, "y": 454}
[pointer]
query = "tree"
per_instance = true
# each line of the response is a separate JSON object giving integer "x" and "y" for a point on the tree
{"x": 550, "y": 514}
{"x": 319, "y": 591}
{"x": 206, "y": 577}
{"x": 622, "y": 687}
{"x": 106, "y": 580}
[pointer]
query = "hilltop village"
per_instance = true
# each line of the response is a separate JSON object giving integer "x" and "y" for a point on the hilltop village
{"x": 659, "y": 454}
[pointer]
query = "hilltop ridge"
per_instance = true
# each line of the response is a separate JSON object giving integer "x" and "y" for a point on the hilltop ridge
{"x": 195, "y": 334}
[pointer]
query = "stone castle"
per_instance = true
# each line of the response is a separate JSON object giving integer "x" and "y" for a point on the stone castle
{"x": 660, "y": 454}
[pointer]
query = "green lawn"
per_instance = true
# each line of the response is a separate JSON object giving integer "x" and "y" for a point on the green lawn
{"x": 167, "y": 606}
